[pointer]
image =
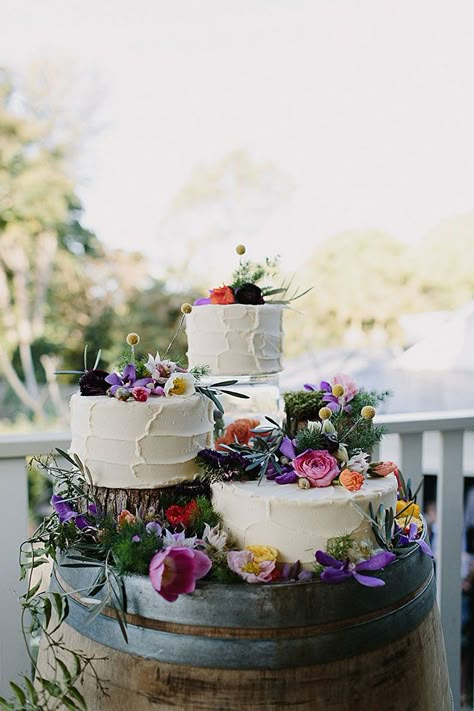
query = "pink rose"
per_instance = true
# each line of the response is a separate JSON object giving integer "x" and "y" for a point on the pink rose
{"x": 316, "y": 465}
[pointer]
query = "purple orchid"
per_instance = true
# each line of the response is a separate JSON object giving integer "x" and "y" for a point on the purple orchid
{"x": 287, "y": 474}
{"x": 127, "y": 380}
{"x": 202, "y": 301}
{"x": 336, "y": 571}
{"x": 66, "y": 512}
{"x": 406, "y": 539}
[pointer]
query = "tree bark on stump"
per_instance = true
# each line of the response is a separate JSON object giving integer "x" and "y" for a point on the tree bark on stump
{"x": 146, "y": 501}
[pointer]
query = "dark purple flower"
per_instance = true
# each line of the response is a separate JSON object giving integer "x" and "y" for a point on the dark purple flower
{"x": 287, "y": 477}
{"x": 249, "y": 294}
{"x": 93, "y": 382}
{"x": 202, "y": 302}
{"x": 406, "y": 539}
{"x": 293, "y": 571}
{"x": 336, "y": 571}
{"x": 127, "y": 380}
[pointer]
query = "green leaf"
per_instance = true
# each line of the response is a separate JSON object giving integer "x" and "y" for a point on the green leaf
{"x": 234, "y": 394}
{"x": 69, "y": 704}
{"x": 32, "y": 591}
{"x": 31, "y": 690}
{"x": 66, "y": 455}
{"x": 19, "y": 693}
{"x": 47, "y": 610}
{"x": 78, "y": 697}
{"x": 51, "y": 687}
{"x": 64, "y": 669}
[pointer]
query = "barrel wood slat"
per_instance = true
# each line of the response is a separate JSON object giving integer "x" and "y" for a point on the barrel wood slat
{"x": 306, "y": 646}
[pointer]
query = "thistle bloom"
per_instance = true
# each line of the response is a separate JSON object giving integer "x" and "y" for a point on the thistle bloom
{"x": 244, "y": 564}
{"x": 336, "y": 571}
{"x": 128, "y": 380}
{"x": 215, "y": 537}
{"x": 181, "y": 385}
{"x": 175, "y": 570}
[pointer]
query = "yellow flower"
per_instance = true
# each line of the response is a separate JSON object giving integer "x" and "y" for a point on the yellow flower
{"x": 133, "y": 339}
{"x": 262, "y": 553}
{"x": 368, "y": 412}
{"x": 408, "y": 508}
{"x": 240, "y": 249}
{"x": 325, "y": 413}
{"x": 404, "y": 522}
{"x": 338, "y": 390}
{"x": 186, "y": 308}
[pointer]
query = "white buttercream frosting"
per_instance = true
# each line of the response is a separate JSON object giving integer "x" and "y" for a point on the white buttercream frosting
{"x": 298, "y": 522}
{"x": 236, "y": 339}
{"x": 140, "y": 445}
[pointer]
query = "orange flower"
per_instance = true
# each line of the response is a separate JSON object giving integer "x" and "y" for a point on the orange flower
{"x": 351, "y": 480}
{"x": 125, "y": 517}
{"x": 240, "y": 429}
{"x": 222, "y": 295}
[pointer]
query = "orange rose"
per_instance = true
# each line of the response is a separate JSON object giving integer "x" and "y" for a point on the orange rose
{"x": 351, "y": 480}
{"x": 222, "y": 295}
{"x": 125, "y": 517}
{"x": 240, "y": 429}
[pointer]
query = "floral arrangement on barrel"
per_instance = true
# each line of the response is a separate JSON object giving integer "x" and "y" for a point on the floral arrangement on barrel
{"x": 246, "y": 287}
{"x": 139, "y": 377}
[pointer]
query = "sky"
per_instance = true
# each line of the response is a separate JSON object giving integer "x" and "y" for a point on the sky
{"x": 365, "y": 106}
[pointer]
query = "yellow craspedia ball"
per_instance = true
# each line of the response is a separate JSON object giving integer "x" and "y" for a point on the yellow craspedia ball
{"x": 338, "y": 390}
{"x": 368, "y": 412}
{"x": 240, "y": 249}
{"x": 324, "y": 413}
{"x": 186, "y": 308}
{"x": 133, "y": 339}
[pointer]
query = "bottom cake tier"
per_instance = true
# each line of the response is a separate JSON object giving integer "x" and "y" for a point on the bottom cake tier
{"x": 297, "y": 522}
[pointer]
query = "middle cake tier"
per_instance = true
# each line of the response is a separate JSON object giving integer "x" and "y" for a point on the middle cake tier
{"x": 298, "y": 522}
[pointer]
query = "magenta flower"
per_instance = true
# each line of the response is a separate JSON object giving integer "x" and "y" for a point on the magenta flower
{"x": 336, "y": 571}
{"x": 127, "y": 380}
{"x": 316, "y": 465}
{"x": 174, "y": 571}
{"x": 244, "y": 564}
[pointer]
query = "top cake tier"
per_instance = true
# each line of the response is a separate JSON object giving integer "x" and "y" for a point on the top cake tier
{"x": 236, "y": 339}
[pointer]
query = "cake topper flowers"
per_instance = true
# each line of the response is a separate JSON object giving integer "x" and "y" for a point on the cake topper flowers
{"x": 246, "y": 287}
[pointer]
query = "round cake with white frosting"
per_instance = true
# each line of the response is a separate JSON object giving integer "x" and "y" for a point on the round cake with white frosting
{"x": 295, "y": 521}
{"x": 140, "y": 445}
{"x": 236, "y": 339}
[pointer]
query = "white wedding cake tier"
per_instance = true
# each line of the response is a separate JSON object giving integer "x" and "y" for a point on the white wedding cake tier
{"x": 295, "y": 521}
{"x": 236, "y": 339}
{"x": 140, "y": 445}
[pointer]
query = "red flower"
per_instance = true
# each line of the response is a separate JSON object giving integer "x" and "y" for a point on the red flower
{"x": 222, "y": 295}
{"x": 140, "y": 394}
{"x": 181, "y": 514}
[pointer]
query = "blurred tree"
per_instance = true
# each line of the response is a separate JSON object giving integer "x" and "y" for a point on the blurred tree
{"x": 362, "y": 282}
{"x": 40, "y": 232}
{"x": 221, "y": 204}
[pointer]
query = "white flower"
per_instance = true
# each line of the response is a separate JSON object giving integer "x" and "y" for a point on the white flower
{"x": 182, "y": 384}
{"x": 313, "y": 426}
{"x": 179, "y": 540}
{"x": 159, "y": 369}
{"x": 359, "y": 462}
{"x": 215, "y": 537}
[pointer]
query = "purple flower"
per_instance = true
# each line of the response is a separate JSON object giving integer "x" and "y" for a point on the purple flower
{"x": 202, "y": 302}
{"x": 136, "y": 538}
{"x": 336, "y": 571}
{"x": 63, "y": 509}
{"x": 154, "y": 528}
{"x": 293, "y": 571}
{"x": 127, "y": 380}
{"x": 66, "y": 512}
{"x": 336, "y": 403}
{"x": 286, "y": 475}
{"x": 406, "y": 539}
{"x": 175, "y": 570}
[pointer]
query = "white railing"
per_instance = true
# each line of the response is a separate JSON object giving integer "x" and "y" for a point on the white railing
{"x": 414, "y": 444}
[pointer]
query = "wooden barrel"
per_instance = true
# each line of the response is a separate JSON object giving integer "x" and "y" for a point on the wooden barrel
{"x": 309, "y": 646}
